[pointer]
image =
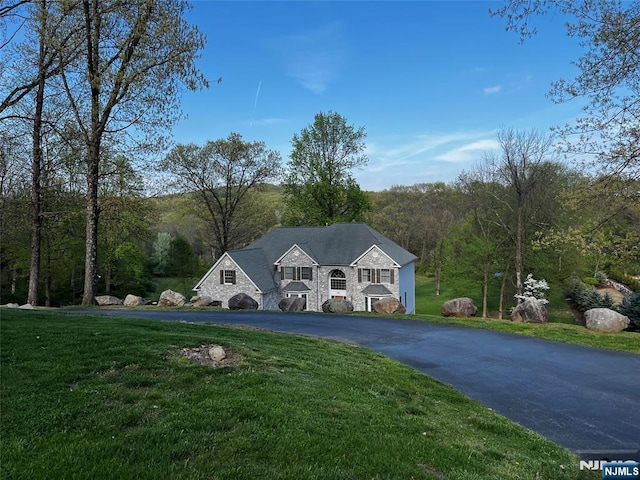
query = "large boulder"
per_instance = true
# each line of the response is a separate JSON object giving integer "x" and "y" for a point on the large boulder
{"x": 201, "y": 301}
{"x": 605, "y": 320}
{"x": 389, "y": 305}
{"x": 134, "y": 301}
{"x": 459, "y": 307}
{"x": 292, "y": 304}
{"x": 530, "y": 311}
{"x": 169, "y": 298}
{"x": 107, "y": 300}
{"x": 242, "y": 301}
{"x": 337, "y": 305}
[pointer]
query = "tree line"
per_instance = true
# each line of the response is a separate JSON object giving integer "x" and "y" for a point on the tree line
{"x": 91, "y": 91}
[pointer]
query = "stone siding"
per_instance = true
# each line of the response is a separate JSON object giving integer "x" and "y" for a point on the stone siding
{"x": 223, "y": 292}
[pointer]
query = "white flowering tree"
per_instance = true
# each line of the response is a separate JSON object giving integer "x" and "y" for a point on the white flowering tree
{"x": 533, "y": 289}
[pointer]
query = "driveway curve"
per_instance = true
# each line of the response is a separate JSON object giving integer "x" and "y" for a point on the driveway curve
{"x": 584, "y": 399}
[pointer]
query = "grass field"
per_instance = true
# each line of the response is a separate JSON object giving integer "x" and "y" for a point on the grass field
{"x": 95, "y": 397}
{"x": 561, "y": 326}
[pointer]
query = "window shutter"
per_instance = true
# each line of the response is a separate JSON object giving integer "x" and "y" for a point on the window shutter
{"x": 377, "y": 279}
{"x": 391, "y": 272}
{"x": 221, "y": 277}
{"x": 233, "y": 275}
{"x": 310, "y": 274}
{"x": 359, "y": 275}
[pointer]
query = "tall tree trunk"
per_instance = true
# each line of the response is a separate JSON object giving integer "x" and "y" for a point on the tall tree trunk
{"x": 519, "y": 246}
{"x": 503, "y": 286}
{"x": 485, "y": 288}
{"x": 36, "y": 169}
{"x": 91, "y": 251}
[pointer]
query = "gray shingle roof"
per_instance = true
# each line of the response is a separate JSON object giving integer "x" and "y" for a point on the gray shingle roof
{"x": 376, "y": 289}
{"x": 296, "y": 287}
{"x": 337, "y": 244}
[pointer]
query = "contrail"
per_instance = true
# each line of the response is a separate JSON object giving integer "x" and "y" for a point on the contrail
{"x": 255, "y": 103}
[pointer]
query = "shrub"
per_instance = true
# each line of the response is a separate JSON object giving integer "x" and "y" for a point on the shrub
{"x": 584, "y": 298}
{"x": 630, "y": 307}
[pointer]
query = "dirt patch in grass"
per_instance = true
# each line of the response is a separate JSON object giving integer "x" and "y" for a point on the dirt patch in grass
{"x": 202, "y": 356}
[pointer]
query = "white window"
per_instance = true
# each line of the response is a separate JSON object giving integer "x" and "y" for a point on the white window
{"x": 338, "y": 280}
{"x": 306, "y": 273}
{"x": 385, "y": 275}
{"x": 228, "y": 277}
{"x": 365, "y": 274}
{"x": 375, "y": 275}
{"x": 297, "y": 273}
{"x": 288, "y": 273}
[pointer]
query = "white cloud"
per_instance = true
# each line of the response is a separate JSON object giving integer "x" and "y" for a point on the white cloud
{"x": 470, "y": 152}
{"x": 314, "y": 58}
{"x": 266, "y": 121}
{"x": 492, "y": 90}
{"x": 402, "y": 160}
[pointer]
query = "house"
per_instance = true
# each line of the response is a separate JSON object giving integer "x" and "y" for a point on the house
{"x": 344, "y": 260}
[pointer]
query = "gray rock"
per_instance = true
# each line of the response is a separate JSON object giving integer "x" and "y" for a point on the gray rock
{"x": 217, "y": 353}
{"x": 12, "y": 305}
{"x": 106, "y": 300}
{"x": 337, "y": 305}
{"x": 169, "y": 298}
{"x": 134, "y": 301}
{"x": 26, "y": 306}
{"x": 292, "y": 304}
{"x": 242, "y": 301}
{"x": 389, "y": 305}
{"x": 459, "y": 307}
{"x": 605, "y": 320}
{"x": 201, "y": 301}
{"x": 530, "y": 311}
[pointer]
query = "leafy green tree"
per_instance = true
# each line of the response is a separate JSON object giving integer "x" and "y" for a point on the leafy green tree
{"x": 182, "y": 261}
{"x": 319, "y": 187}
{"x": 161, "y": 256}
{"x": 221, "y": 174}
{"x": 135, "y": 58}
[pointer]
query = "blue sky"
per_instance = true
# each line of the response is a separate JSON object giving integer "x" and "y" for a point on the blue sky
{"x": 432, "y": 82}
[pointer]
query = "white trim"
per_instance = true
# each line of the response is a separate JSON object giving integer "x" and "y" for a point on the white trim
{"x": 226, "y": 254}
{"x": 295, "y": 245}
{"x": 206, "y": 275}
{"x": 355, "y": 262}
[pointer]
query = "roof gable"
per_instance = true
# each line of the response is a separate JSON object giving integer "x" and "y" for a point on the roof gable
{"x": 292, "y": 249}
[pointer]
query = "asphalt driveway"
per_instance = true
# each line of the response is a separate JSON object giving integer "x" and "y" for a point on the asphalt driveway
{"x": 585, "y": 399}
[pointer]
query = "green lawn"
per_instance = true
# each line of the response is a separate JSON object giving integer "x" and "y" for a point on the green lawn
{"x": 561, "y": 326}
{"x": 96, "y": 397}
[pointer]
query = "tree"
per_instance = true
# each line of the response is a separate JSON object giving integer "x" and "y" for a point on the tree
{"x": 32, "y": 63}
{"x": 221, "y": 174}
{"x": 609, "y": 69}
{"x": 524, "y": 166}
{"x": 319, "y": 187}
{"x": 136, "y": 56}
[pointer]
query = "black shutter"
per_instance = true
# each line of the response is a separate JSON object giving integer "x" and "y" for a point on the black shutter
{"x": 391, "y": 272}
{"x": 359, "y": 275}
{"x": 221, "y": 277}
{"x": 310, "y": 274}
{"x": 233, "y": 274}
